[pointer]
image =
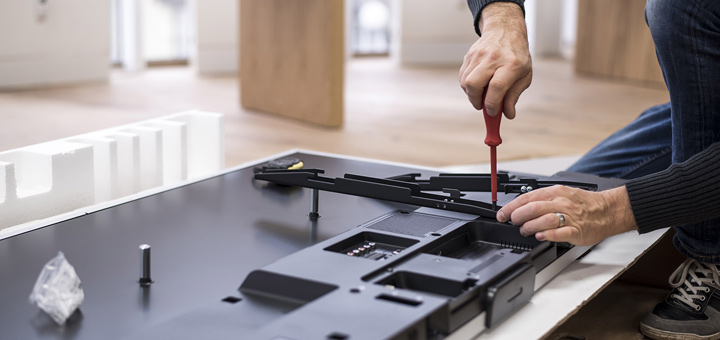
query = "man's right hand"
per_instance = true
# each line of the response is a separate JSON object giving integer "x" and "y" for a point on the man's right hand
{"x": 499, "y": 60}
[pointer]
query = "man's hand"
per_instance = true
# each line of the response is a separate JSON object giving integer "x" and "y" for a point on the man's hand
{"x": 590, "y": 217}
{"x": 499, "y": 60}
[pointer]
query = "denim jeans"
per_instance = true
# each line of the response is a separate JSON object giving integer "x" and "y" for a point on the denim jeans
{"x": 687, "y": 43}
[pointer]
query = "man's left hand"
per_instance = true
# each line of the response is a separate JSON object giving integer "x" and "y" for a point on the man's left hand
{"x": 590, "y": 217}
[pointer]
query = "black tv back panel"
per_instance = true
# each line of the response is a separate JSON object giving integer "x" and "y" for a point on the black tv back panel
{"x": 403, "y": 275}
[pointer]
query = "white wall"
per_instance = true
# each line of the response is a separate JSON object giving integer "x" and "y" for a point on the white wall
{"x": 217, "y": 29}
{"x": 432, "y": 32}
{"x": 552, "y": 26}
{"x": 569, "y": 28}
{"x": 69, "y": 44}
{"x": 166, "y": 30}
{"x": 131, "y": 20}
{"x": 547, "y": 33}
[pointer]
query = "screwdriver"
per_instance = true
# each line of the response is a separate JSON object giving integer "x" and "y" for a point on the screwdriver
{"x": 492, "y": 139}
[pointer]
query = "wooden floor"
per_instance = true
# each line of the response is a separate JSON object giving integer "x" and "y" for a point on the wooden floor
{"x": 409, "y": 115}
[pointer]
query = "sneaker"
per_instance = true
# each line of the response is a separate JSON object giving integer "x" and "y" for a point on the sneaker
{"x": 692, "y": 311}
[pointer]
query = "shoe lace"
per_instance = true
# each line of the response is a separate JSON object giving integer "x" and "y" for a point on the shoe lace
{"x": 692, "y": 278}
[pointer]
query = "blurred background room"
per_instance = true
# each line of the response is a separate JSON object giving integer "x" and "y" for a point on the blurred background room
{"x": 387, "y": 70}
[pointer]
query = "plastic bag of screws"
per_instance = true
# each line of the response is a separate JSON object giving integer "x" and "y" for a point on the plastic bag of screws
{"x": 57, "y": 290}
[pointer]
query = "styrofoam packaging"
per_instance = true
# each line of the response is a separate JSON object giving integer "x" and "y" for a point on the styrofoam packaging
{"x": 48, "y": 179}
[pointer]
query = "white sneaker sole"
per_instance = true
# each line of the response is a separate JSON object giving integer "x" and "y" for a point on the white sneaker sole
{"x": 658, "y": 334}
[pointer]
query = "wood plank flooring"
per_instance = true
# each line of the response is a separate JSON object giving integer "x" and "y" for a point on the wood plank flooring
{"x": 411, "y": 115}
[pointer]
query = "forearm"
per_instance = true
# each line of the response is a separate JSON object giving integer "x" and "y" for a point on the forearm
{"x": 619, "y": 210}
{"x": 478, "y": 9}
{"x": 685, "y": 193}
{"x": 503, "y": 15}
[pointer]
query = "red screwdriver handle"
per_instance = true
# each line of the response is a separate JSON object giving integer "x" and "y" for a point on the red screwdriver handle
{"x": 492, "y": 125}
{"x": 492, "y": 139}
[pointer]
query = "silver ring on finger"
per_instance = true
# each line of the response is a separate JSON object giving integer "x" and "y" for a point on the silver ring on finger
{"x": 561, "y": 219}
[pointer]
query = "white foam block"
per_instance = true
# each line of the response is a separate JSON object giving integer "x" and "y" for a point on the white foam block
{"x": 174, "y": 150}
{"x": 150, "y": 155}
{"x": 204, "y": 134}
{"x": 105, "y": 166}
{"x": 6, "y": 183}
{"x": 33, "y": 172}
{"x": 47, "y": 179}
{"x": 128, "y": 151}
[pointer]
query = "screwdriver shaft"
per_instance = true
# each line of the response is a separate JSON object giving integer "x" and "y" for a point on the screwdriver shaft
{"x": 493, "y": 175}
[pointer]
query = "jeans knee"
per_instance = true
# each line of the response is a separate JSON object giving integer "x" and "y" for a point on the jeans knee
{"x": 658, "y": 15}
{"x": 667, "y": 18}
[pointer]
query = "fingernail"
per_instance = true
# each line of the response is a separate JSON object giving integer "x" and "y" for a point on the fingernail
{"x": 501, "y": 216}
{"x": 491, "y": 112}
{"x": 540, "y": 236}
